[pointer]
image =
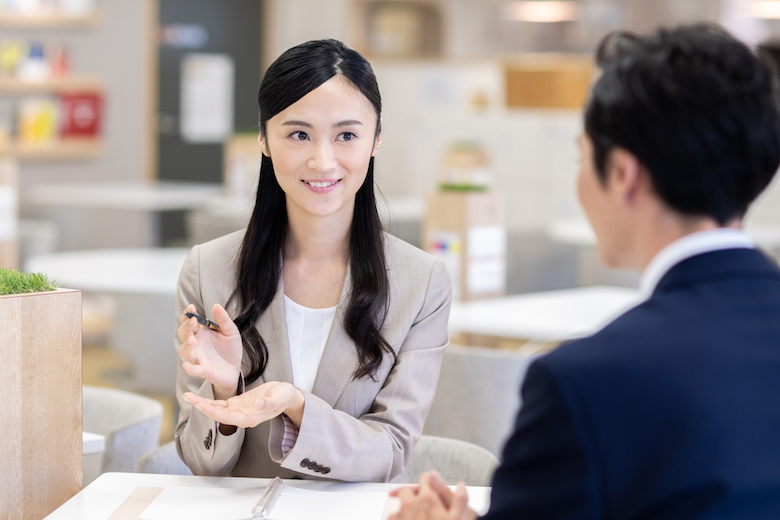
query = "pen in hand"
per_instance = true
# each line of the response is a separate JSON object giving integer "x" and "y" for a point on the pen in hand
{"x": 203, "y": 321}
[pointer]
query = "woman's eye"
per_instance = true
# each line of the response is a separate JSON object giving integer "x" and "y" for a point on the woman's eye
{"x": 299, "y": 136}
{"x": 346, "y": 136}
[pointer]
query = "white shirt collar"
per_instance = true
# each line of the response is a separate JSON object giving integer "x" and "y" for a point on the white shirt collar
{"x": 688, "y": 246}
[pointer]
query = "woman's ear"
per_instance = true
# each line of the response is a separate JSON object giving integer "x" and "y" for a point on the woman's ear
{"x": 377, "y": 139}
{"x": 263, "y": 145}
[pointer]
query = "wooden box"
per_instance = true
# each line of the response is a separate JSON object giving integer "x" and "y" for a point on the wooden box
{"x": 561, "y": 82}
{"x": 467, "y": 230}
{"x": 40, "y": 344}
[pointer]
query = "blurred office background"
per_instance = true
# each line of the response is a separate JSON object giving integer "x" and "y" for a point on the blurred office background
{"x": 128, "y": 133}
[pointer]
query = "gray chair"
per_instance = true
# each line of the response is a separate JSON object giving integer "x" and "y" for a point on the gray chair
{"x": 455, "y": 460}
{"x": 130, "y": 424}
{"x": 478, "y": 395}
{"x": 163, "y": 460}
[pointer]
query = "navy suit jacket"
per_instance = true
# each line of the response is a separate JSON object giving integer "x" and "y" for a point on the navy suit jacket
{"x": 672, "y": 411}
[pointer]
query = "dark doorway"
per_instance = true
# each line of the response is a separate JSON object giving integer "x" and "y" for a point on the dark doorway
{"x": 230, "y": 27}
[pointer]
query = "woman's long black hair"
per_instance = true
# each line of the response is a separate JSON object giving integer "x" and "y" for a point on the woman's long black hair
{"x": 259, "y": 268}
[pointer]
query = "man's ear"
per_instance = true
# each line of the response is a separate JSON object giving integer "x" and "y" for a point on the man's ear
{"x": 626, "y": 175}
{"x": 263, "y": 145}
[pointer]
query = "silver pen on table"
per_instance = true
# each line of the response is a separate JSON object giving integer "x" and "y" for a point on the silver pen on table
{"x": 271, "y": 493}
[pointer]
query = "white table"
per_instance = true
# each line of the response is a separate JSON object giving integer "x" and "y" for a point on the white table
{"x": 92, "y": 443}
{"x": 144, "y": 282}
{"x": 548, "y": 316}
{"x": 102, "y": 497}
{"x": 147, "y": 197}
{"x": 577, "y": 231}
{"x": 123, "y": 271}
{"x": 128, "y": 195}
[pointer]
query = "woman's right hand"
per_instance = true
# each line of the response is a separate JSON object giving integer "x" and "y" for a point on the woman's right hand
{"x": 213, "y": 356}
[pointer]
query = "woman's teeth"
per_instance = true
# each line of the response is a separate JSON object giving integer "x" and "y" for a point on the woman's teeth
{"x": 314, "y": 184}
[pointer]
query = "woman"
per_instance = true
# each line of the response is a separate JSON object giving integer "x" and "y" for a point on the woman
{"x": 330, "y": 363}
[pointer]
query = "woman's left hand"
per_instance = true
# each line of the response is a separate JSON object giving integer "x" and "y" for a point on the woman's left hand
{"x": 254, "y": 406}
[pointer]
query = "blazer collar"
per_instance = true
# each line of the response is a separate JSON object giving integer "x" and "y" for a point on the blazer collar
{"x": 719, "y": 265}
{"x": 339, "y": 359}
{"x": 273, "y": 329}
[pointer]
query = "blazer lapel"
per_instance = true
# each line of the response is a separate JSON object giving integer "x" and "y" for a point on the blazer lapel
{"x": 272, "y": 326}
{"x": 339, "y": 359}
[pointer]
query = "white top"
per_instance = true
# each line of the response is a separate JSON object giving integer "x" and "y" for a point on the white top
{"x": 688, "y": 246}
{"x": 307, "y": 333}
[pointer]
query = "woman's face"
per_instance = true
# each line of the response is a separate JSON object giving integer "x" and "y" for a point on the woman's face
{"x": 321, "y": 146}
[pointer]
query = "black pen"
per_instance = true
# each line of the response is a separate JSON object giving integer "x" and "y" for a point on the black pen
{"x": 203, "y": 321}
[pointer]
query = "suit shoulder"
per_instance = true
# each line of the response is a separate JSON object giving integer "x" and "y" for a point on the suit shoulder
{"x": 400, "y": 253}
{"x": 218, "y": 255}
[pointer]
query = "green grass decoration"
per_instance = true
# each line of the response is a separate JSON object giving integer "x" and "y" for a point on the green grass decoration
{"x": 16, "y": 282}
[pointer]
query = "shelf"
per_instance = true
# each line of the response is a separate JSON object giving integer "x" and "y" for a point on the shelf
{"x": 63, "y": 149}
{"x": 64, "y": 84}
{"x": 47, "y": 21}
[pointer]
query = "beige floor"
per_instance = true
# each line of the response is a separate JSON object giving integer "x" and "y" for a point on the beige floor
{"x": 104, "y": 367}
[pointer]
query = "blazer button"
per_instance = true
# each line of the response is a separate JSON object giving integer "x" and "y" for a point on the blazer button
{"x": 312, "y": 465}
{"x": 305, "y": 463}
{"x": 207, "y": 440}
{"x": 325, "y": 471}
{"x": 318, "y": 468}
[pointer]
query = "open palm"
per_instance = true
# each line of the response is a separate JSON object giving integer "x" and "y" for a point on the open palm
{"x": 249, "y": 409}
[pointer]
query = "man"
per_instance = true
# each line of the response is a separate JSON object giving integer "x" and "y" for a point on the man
{"x": 673, "y": 410}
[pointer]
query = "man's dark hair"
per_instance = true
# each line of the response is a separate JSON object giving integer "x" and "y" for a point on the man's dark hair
{"x": 697, "y": 108}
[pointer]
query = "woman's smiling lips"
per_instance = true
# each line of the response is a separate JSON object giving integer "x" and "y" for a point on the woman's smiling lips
{"x": 322, "y": 186}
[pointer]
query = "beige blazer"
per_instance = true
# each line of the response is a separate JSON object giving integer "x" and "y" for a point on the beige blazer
{"x": 362, "y": 430}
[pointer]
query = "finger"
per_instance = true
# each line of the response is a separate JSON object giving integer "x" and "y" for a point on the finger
{"x": 222, "y": 318}
{"x": 439, "y": 485}
{"x": 394, "y": 492}
{"x": 195, "y": 370}
{"x": 192, "y": 398}
{"x": 407, "y": 493}
{"x": 183, "y": 333}
{"x": 184, "y": 317}
{"x": 460, "y": 501}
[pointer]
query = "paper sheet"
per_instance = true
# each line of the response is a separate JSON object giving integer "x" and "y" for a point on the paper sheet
{"x": 206, "y": 99}
{"x": 196, "y": 503}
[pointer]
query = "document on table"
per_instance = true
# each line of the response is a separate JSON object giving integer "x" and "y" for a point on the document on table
{"x": 207, "y": 503}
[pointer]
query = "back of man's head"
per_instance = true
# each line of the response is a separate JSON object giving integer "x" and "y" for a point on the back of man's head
{"x": 696, "y": 107}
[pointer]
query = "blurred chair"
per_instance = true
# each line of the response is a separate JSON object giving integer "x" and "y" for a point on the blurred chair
{"x": 478, "y": 395}
{"x": 130, "y": 423}
{"x": 456, "y": 461}
{"x": 163, "y": 460}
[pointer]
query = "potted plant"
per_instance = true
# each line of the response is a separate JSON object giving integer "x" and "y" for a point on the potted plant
{"x": 40, "y": 344}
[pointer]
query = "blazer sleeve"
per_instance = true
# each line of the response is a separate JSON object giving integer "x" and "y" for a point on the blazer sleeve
{"x": 544, "y": 470}
{"x": 376, "y": 446}
{"x": 198, "y": 441}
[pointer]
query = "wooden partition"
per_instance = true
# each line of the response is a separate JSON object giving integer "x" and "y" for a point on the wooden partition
{"x": 40, "y": 344}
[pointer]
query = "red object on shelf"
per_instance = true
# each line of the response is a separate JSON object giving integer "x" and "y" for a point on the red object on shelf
{"x": 82, "y": 114}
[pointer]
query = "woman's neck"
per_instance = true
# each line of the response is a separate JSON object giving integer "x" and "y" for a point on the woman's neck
{"x": 318, "y": 240}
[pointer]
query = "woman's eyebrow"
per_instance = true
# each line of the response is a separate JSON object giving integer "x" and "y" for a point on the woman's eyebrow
{"x": 348, "y": 122}
{"x": 297, "y": 123}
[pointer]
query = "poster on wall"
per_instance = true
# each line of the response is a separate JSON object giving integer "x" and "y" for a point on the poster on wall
{"x": 206, "y": 111}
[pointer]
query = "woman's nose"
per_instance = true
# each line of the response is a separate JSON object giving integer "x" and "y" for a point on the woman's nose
{"x": 323, "y": 159}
